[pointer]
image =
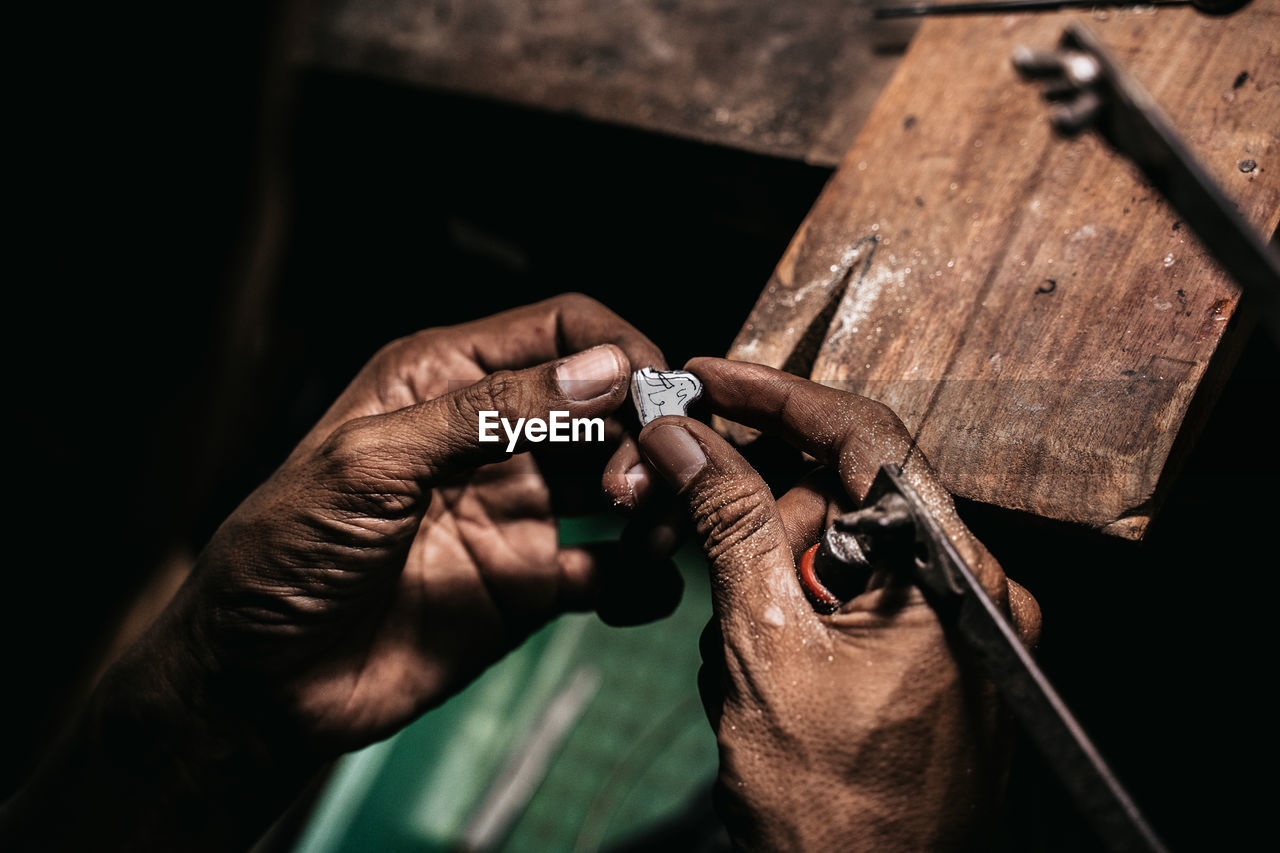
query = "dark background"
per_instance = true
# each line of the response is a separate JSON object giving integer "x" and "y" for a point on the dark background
{"x": 212, "y": 245}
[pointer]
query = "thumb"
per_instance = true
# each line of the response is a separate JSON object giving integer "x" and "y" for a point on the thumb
{"x": 488, "y": 421}
{"x": 734, "y": 511}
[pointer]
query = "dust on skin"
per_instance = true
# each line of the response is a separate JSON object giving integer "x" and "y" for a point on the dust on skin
{"x": 870, "y": 442}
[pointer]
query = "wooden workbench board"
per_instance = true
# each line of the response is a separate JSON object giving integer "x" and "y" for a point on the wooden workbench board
{"x": 1035, "y": 312}
{"x": 793, "y": 80}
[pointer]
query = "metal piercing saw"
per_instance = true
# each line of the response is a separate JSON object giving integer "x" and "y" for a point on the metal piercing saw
{"x": 895, "y": 532}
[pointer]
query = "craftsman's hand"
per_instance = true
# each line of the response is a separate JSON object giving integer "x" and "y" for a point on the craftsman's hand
{"x": 389, "y": 560}
{"x": 381, "y": 568}
{"x": 851, "y": 731}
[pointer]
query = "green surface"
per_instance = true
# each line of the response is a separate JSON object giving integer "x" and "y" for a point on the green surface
{"x": 635, "y": 752}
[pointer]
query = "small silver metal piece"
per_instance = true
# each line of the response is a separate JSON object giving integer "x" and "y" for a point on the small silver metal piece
{"x": 663, "y": 392}
{"x": 845, "y": 547}
{"x": 1036, "y": 63}
{"x": 1076, "y": 115}
{"x": 1081, "y": 69}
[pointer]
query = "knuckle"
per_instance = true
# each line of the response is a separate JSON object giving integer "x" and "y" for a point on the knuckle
{"x": 414, "y": 348}
{"x": 880, "y": 415}
{"x": 391, "y": 350}
{"x": 391, "y": 355}
{"x": 350, "y": 446}
{"x": 865, "y": 416}
{"x": 734, "y": 518}
{"x": 580, "y": 301}
{"x": 358, "y": 480}
{"x": 875, "y": 435}
{"x": 503, "y": 391}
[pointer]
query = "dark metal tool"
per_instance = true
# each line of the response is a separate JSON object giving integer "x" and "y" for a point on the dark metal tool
{"x": 1095, "y": 92}
{"x": 917, "y": 10}
{"x": 896, "y": 532}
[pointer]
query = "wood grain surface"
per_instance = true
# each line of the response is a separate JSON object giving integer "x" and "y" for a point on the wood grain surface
{"x": 1035, "y": 312}
{"x": 794, "y": 80}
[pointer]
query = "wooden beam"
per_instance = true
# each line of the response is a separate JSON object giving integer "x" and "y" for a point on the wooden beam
{"x": 794, "y": 80}
{"x": 1035, "y": 312}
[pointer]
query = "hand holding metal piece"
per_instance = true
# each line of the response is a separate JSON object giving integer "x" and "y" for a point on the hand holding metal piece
{"x": 663, "y": 392}
{"x": 895, "y": 533}
{"x": 856, "y": 545}
{"x": 917, "y": 10}
{"x": 1093, "y": 91}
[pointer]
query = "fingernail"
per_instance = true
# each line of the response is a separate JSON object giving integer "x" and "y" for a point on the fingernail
{"x": 676, "y": 454}
{"x": 588, "y": 374}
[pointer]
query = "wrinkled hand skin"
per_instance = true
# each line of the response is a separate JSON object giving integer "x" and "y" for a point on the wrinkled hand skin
{"x": 857, "y": 730}
{"x": 383, "y": 565}
{"x": 389, "y": 560}
{"x": 379, "y": 569}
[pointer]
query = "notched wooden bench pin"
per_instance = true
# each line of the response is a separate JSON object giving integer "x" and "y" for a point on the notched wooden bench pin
{"x": 663, "y": 392}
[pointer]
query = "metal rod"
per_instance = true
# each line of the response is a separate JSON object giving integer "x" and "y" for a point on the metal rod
{"x": 1045, "y": 717}
{"x": 919, "y": 10}
{"x": 1126, "y": 115}
{"x": 527, "y": 767}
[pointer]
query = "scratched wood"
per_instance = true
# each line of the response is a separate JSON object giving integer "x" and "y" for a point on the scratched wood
{"x": 794, "y": 80}
{"x": 1035, "y": 312}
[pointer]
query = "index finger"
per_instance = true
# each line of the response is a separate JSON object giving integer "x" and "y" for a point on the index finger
{"x": 553, "y": 328}
{"x": 854, "y": 435}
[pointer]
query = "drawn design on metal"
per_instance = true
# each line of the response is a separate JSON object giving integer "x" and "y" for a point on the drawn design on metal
{"x": 663, "y": 392}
